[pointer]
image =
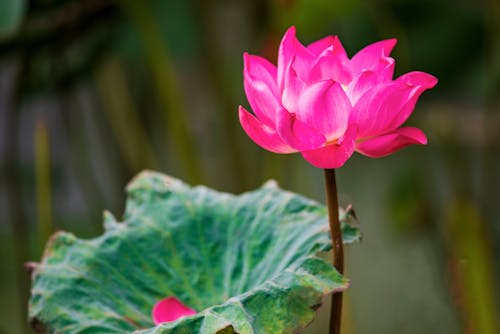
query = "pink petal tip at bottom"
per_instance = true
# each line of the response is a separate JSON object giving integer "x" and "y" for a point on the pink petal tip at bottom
{"x": 386, "y": 144}
{"x": 334, "y": 155}
{"x": 170, "y": 309}
{"x": 263, "y": 135}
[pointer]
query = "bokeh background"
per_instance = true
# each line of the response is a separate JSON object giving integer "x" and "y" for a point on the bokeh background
{"x": 94, "y": 91}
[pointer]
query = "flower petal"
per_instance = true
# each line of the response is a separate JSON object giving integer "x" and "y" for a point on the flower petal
{"x": 374, "y": 112}
{"x": 386, "y": 144}
{"x": 330, "y": 66}
{"x": 369, "y": 57}
{"x": 258, "y": 68}
{"x": 293, "y": 86}
{"x": 318, "y": 47}
{"x": 290, "y": 47}
{"x": 260, "y": 88}
{"x": 388, "y": 105}
{"x": 262, "y": 134}
{"x": 417, "y": 83}
{"x": 325, "y": 107}
{"x": 364, "y": 82}
{"x": 385, "y": 68}
{"x": 262, "y": 101}
{"x": 170, "y": 309}
{"x": 420, "y": 79}
{"x": 334, "y": 155}
{"x": 296, "y": 133}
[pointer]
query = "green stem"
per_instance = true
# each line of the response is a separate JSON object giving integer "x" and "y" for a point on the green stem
{"x": 220, "y": 77}
{"x": 43, "y": 182}
{"x": 166, "y": 81}
{"x": 338, "y": 249}
{"x": 124, "y": 119}
{"x": 14, "y": 185}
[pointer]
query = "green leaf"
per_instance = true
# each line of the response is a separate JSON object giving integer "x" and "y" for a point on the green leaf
{"x": 247, "y": 263}
{"x": 11, "y": 15}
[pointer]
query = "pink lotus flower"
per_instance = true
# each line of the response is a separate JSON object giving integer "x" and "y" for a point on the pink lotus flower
{"x": 319, "y": 102}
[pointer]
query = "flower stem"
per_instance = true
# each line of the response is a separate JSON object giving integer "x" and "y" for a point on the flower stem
{"x": 338, "y": 249}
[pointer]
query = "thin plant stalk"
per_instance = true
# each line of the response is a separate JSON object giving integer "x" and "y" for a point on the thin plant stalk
{"x": 123, "y": 117}
{"x": 77, "y": 153}
{"x": 471, "y": 268}
{"x": 338, "y": 249}
{"x": 43, "y": 182}
{"x": 170, "y": 94}
{"x": 219, "y": 73}
{"x": 14, "y": 184}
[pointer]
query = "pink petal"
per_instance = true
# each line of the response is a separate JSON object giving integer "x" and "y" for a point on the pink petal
{"x": 260, "y": 88}
{"x": 364, "y": 82}
{"x": 260, "y": 69}
{"x": 262, "y": 134}
{"x": 389, "y": 143}
{"x": 339, "y": 50}
{"x": 329, "y": 66}
{"x": 289, "y": 48}
{"x": 417, "y": 78}
{"x": 385, "y": 68}
{"x": 296, "y": 133}
{"x": 293, "y": 87}
{"x": 417, "y": 82}
{"x": 369, "y": 57}
{"x": 333, "y": 155}
{"x": 325, "y": 107}
{"x": 374, "y": 112}
{"x": 170, "y": 309}
{"x": 318, "y": 47}
{"x": 262, "y": 101}
{"x": 388, "y": 105}
{"x": 368, "y": 79}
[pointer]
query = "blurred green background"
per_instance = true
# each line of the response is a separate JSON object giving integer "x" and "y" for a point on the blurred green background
{"x": 93, "y": 91}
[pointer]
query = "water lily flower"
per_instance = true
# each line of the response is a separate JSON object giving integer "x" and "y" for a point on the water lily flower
{"x": 320, "y": 103}
{"x": 170, "y": 309}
